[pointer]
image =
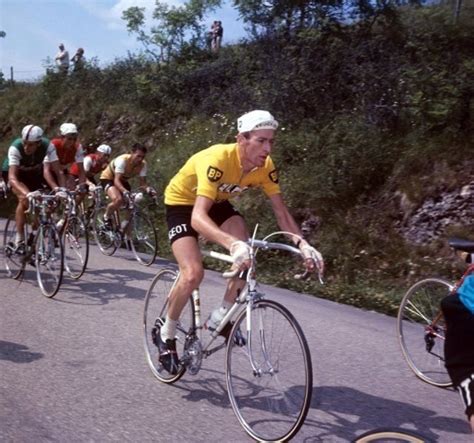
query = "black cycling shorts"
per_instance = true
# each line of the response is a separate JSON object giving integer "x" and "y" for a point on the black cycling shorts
{"x": 178, "y": 218}
{"x": 106, "y": 184}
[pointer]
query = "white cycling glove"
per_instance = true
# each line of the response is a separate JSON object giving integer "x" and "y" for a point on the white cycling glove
{"x": 308, "y": 252}
{"x": 33, "y": 194}
{"x": 240, "y": 252}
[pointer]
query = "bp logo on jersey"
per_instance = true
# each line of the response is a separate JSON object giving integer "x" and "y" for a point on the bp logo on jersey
{"x": 214, "y": 174}
{"x": 273, "y": 176}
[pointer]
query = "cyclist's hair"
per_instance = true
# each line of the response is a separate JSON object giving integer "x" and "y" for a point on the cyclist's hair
{"x": 139, "y": 147}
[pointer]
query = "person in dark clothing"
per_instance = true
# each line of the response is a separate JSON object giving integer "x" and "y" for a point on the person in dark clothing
{"x": 458, "y": 311}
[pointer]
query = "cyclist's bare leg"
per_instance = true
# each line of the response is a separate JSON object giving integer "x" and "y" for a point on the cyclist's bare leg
{"x": 117, "y": 200}
{"x": 472, "y": 423}
{"x": 236, "y": 226}
{"x": 20, "y": 217}
{"x": 191, "y": 272}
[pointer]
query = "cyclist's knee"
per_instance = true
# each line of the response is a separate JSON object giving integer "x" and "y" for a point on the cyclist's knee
{"x": 191, "y": 276}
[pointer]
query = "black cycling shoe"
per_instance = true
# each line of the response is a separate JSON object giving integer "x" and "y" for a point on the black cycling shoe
{"x": 168, "y": 355}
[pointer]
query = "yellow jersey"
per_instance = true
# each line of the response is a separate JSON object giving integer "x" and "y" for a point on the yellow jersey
{"x": 216, "y": 173}
{"x": 122, "y": 165}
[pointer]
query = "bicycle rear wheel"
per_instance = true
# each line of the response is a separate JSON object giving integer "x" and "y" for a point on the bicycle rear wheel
{"x": 108, "y": 240}
{"x": 271, "y": 399}
{"x": 390, "y": 435}
{"x": 144, "y": 243}
{"x": 76, "y": 247}
{"x": 49, "y": 260}
{"x": 421, "y": 330}
{"x": 13, "y": 260}
{"x": 156, "y": 307}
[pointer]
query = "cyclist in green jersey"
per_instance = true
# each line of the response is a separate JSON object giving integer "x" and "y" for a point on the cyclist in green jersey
{"x": 23, "y": 170}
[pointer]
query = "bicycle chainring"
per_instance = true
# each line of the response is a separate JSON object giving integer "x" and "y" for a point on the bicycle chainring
{"x": 192, "y": 354}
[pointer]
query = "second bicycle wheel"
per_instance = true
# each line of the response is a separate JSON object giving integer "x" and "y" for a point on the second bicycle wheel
{"x": 49, "y": 260}
{"x": 154, "y": 315}
{"x": 76, "y": 247}
{"x": 269, "y": 372}
{"x": 144, "y": 243}
{"x": 421, "y": 330}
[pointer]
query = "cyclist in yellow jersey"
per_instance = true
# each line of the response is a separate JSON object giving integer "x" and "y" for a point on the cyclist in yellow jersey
{"x": 197, "y": 202}
{"x": 115, "y": 178}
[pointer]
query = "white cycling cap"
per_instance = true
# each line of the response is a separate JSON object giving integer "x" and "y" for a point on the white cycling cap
{"x": 31, "y": 133}
{"x": 104, "y": 149}
{"x": 256, "y": 120}
{"x": 68, "y": 128}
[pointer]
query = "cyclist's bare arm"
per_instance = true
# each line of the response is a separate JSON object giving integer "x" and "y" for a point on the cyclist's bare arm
{"x": 48, "y": 176}
{"x": 287, "y": 223}
{"x": 82, "y": 174}
{"x": 17, "y": 186}
{"x": 203, "y": 224}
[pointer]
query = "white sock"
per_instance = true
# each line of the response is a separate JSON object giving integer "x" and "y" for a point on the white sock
{"x": 168, "y": 330}
{"x": 19, "y": 238}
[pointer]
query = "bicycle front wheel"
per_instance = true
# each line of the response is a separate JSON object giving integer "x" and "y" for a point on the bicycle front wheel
{"x": 13, "y": 259}
{"x": 389, "y": 436}
{"x": 107, "y": 239}
{"x": 421, "y": 330}
{"x": 144, "y": 243}
{"x": 76, "y": 247}
{"x": 49, "y": 260}
{"x": 156, "y": 307}
{"x": 269, "y": 372}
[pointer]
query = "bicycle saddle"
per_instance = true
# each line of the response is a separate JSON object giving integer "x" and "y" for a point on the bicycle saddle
{"x": 462, "y": 245}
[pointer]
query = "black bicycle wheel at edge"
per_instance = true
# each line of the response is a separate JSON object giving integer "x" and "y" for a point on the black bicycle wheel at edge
{"x": 270, "y": 399}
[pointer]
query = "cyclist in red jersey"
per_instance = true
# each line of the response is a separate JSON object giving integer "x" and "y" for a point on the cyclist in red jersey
{"x": 93, "y": 164}
{"x": 69, "y": 151}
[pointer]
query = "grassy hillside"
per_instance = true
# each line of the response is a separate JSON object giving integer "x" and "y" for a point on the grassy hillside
{"x": 367, "y": 113}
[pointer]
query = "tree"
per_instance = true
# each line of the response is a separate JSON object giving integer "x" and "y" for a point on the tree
{"x": 175, "y": 27}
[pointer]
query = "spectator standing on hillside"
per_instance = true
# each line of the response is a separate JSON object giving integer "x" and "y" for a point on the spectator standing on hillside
{"x": 62, "y": 59}
{"x": 216, "y": 33}
{"x": 78, "y": 60}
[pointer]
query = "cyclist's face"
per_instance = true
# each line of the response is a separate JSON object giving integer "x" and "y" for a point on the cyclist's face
{"x": 70, "y": 140}
{"x": 31, "y": 147}
{"x": 257, "y": 147}
{"x": 137, "y": 157}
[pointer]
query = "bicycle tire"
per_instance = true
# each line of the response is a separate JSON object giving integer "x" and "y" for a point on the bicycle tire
{"x": 272, "y": 403}
{"x": 387, "y": 435}
{"x": 105, "y": 238}
{"x": 14, "y": 263}
{"x": 154, "y": 314}
{"x": 421, "y": 341}
{"x": 49, "y": 260}
{"x": 144, "y": 241}
{"x": 76, "y": 247}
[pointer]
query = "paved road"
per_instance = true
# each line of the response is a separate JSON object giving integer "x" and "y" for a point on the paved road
{"x": 72, "y": 369}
